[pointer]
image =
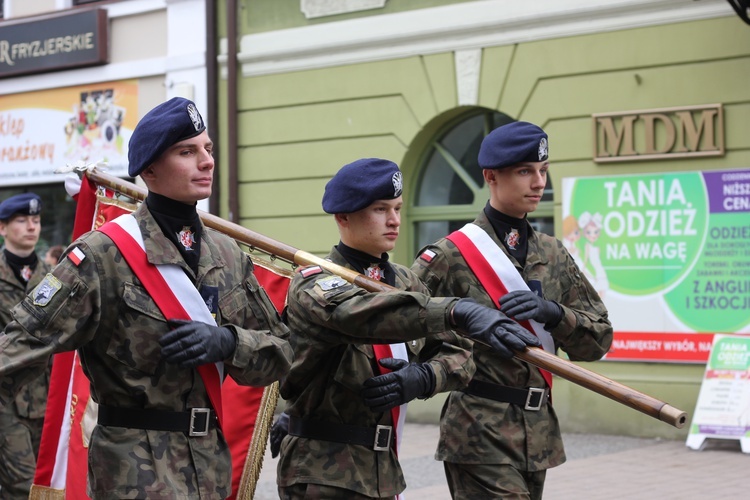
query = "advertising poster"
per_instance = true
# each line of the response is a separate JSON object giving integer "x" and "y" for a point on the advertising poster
{"x": 45, "y": 130}
{"x": 670, "y": 255}
{"x": 723, "y": 408}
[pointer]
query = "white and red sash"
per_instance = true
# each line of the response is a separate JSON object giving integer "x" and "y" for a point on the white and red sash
{"x": 171, "y": 290}
{"x": 497, "y": 275}
{"x": 398, "y": 413}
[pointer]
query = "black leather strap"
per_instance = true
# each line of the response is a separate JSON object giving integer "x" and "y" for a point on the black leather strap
{"x": 194, "y": 422}
{"x": 529, "y": 399}
{"x": 381, "y": 438}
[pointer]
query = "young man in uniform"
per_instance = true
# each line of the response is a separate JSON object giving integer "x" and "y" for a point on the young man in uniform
{"x": 341, "y": 429}
{"x": 500, "y": 434}
{"x": 21, "y": 270}
{"x": 157, "y": 306}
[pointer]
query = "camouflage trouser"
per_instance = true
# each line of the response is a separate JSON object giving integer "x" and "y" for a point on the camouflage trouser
{"x": 19, "y": 442}
{"x": 309, "y": 491}
{"x": 472, "y": 481}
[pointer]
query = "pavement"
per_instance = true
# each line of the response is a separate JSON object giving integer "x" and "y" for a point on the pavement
{"x": 598, "y": 467}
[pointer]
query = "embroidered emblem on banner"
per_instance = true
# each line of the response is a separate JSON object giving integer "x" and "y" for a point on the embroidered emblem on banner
{"x": 76, "y": 256}
{"x": 511, "y": 238}
{"x": 374, "y": 273}
{"x": 331, "y": 283}
{"x": 45, "y": 290}
{"x": 26, "y": 273}
{"x": 186, "y": 237}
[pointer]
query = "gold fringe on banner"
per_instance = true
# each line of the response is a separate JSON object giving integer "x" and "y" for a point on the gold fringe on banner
{"x": 258, "y": 442}
{"x": 45, "y": 493}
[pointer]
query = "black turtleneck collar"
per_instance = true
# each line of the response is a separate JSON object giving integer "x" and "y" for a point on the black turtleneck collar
{"x": 181, "y": 225}
{"x": 361, "y": 261}
{"x": 172, "y": 208}
{"x": 22, "y": 267}
{"x": 513, "y": 232}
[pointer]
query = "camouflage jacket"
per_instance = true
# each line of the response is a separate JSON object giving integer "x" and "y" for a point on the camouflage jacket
{"x": 31, "y": 400}
{"x": 476, "y": 430}
{"x": 100, "y": 308}
{"x": 331, "y": 363}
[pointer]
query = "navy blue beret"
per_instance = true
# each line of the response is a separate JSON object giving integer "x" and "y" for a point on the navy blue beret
{"x": 24, "y": 204}
{"x": 513, "y": 143}
{"x": 360, "y": 183}
{"x": 167, "y": 124}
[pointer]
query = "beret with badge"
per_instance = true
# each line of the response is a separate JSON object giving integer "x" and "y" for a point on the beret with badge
{"x": 22, "y": 204}
{"x": 168, "y": 123}
{"x": 360, "y": 183}
{"x": 516, "y": 142}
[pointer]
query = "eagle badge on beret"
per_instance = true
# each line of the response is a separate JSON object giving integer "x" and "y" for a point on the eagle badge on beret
{"x": 34, "y": 206}
{"x": 398, "y": 184}
{"x": 543, "y": 153}
{"x": 195, "y": 116}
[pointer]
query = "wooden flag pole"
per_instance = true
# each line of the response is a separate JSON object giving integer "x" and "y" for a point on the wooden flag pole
{"x": 533, "y": 355}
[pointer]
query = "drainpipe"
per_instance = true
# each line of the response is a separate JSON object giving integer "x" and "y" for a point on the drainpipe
{"x": 233, "y": 187}
{"x": 212, "y": 97}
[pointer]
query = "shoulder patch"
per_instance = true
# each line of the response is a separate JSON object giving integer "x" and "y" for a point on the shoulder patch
{"x": 310, "y": 271}
{"x": 331, "y": 282}
{"x": 427, "y": 256}
{"x": 76, "y": 256}
{"x": 45, "y": 290}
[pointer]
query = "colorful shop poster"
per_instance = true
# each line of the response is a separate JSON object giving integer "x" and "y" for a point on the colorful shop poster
{"x": 45, "y": 130}
{"x": 669, "y": 253}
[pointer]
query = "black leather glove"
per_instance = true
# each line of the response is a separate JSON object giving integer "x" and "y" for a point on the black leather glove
{"x": 492, "y": 328}
{"x": 405, "y": 382}
{"x": 525, "y": 304}
{"x": 279, "y": 430}
{"x": 193, "y": 343}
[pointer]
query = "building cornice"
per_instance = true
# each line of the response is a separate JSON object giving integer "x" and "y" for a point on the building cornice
{"x": 464, "y": 26}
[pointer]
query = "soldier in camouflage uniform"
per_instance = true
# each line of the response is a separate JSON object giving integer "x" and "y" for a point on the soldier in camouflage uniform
{"x": 156, "y": 434}
{"x": 494, "y": 441}
{"x": 334, "y": 449}
{"x": 21, "y": 270}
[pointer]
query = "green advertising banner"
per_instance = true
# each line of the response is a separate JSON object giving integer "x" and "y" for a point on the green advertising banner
{"x": 669, "y": 254}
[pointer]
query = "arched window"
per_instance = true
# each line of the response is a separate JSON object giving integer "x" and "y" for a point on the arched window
{"x": 450, "y": 188}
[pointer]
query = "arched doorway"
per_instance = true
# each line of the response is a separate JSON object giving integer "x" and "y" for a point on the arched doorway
{"x": 450, "y": 190}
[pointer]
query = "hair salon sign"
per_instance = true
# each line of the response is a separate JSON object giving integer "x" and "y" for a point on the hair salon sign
{"x": 53, "y": 43}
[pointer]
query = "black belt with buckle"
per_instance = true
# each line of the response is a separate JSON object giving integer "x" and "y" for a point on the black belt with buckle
{"x": 531, "y": 399}
{"x": 193, "y": 422}
{"x": 379, "y": 439}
